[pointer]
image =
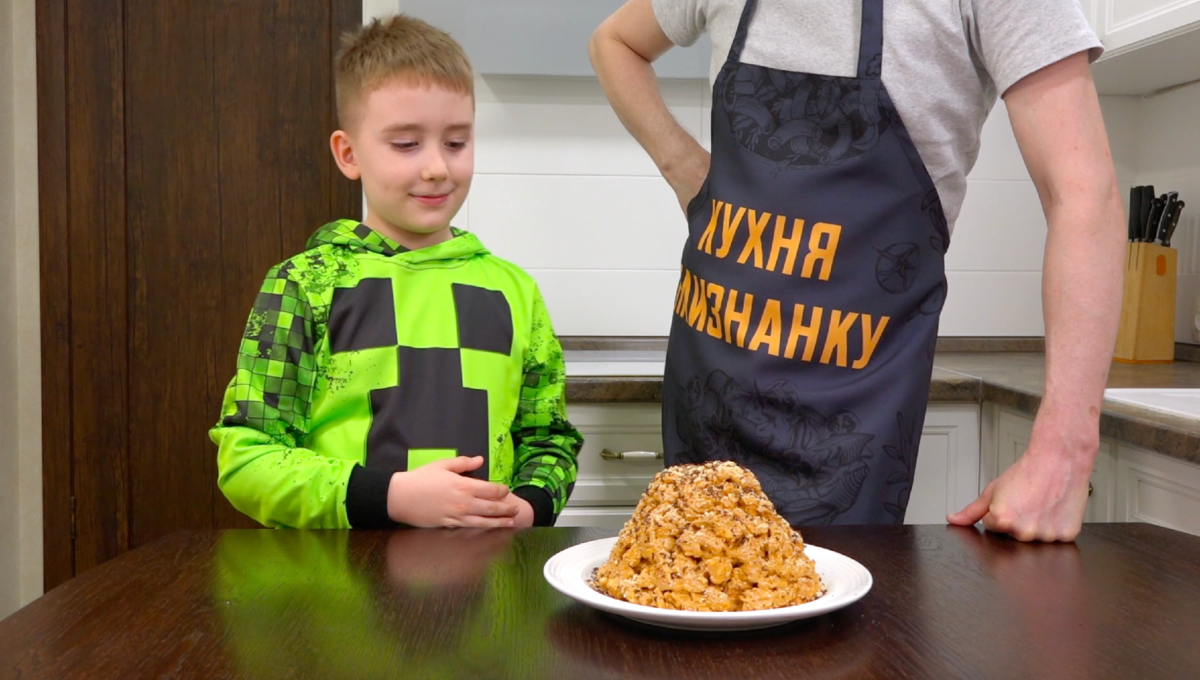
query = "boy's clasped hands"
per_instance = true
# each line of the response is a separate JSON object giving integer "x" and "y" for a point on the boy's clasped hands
{"x": 439, "y": 494}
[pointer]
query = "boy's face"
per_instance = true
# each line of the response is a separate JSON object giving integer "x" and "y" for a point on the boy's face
{"x": 413, "y": 148}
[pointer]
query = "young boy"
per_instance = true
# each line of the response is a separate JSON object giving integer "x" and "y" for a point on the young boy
{"x": 396, "y": 372}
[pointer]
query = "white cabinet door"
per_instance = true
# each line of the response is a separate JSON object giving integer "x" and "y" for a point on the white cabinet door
{"x": 1156, "y": 489}
{"x": 1005, "y": 438}
{"x": 1125, "y": 24}
{"x": 947, "y": 475}
{"x": 1091, "y": 8}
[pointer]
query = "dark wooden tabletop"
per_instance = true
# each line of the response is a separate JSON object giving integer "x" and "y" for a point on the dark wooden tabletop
{"x": 1123, "y": 602}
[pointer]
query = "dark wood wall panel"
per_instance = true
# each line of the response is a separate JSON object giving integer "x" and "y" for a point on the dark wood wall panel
{"x": 345, "y": 196}
{"x": 99, "y": 366}
{"x": 175, "y": 260}
{"x": 246, "y": 71}
{"x": 304, "y": 34}
{"x": 183, "y": 151}
{"x": 53, "y": 217}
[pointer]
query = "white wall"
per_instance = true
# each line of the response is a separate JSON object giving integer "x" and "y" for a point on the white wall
{"x": 1159, "y": 143}
{"x": 564, "y": 191}
{"x": 20, "y": 355}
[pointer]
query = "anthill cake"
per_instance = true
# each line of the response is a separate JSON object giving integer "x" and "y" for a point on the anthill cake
{"x": 706, "y": 538}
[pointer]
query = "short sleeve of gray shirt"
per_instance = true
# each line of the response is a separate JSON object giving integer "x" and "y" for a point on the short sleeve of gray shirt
{"x": 944, "y": 61}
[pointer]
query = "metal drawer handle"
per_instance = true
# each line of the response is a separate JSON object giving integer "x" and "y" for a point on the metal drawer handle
{"x": 1089, "y": 489}
{"x": 630, "y": 455}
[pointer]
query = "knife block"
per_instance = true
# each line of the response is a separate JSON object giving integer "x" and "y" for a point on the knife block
{"x": 1147, "y": 331}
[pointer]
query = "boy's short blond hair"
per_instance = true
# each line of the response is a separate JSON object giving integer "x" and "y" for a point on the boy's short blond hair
{"x": 397, "y": 47}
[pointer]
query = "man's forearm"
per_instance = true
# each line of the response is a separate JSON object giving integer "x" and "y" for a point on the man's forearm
{"x": 1081, "y": 298}
{"x": 632, "y": 89}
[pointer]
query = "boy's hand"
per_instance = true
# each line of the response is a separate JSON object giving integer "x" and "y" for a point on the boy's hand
{"x": 524, "y": 517}
{"x": 438, "y": 495}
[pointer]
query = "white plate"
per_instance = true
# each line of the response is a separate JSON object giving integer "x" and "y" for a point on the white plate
{"x": 569, "y": 571}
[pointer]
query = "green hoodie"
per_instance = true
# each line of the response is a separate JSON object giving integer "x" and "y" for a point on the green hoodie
{"x": 362, "y": 358}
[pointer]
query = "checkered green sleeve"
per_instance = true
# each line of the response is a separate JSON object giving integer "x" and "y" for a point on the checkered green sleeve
{"x": 545, "y": 443}
{"x": 263, "y": 468}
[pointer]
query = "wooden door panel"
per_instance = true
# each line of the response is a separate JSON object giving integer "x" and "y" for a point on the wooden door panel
{"x": 98, "y": 291}
{"x": 175, "y": 260}
{"x": 54, "y": 246}
{"x": 183, "y": 152}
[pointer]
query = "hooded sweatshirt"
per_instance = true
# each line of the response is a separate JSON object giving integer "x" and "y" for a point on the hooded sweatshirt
{"x": 362, "y": 358}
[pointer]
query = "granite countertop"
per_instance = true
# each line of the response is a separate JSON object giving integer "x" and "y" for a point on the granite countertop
{"x": 1012, "y": 379}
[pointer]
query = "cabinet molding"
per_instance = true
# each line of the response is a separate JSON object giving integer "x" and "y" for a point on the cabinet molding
{"x": 947, "y": 474}
{"x": 1159, "y": 490}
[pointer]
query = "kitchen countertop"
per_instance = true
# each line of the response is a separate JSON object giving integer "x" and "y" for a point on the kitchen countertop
{"x": 1012, "y": 379}
{"x": 947, "y": 602}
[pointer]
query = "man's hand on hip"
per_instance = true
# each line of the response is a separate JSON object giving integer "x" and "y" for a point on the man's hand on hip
{"x": 687, "y": 177}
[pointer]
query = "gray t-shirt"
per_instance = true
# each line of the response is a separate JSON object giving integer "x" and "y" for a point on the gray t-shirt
{"x": 944, "y": 61}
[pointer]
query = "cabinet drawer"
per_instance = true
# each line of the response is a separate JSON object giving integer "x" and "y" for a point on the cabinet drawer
{"x": 633, "y": 430}
{"x": 614, "y": 517}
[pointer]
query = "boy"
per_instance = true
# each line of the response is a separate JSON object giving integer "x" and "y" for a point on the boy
{"x": 396, "y": 372}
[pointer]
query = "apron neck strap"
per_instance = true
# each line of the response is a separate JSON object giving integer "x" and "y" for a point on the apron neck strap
{"x": 870, "y": 44}
{"x": 739, "y": 38}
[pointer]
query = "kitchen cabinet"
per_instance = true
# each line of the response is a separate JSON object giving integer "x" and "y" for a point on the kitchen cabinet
{"x": 540, "y": 37}
{"x": 1005, "y": 436}
{"x": 1157, "y": 489}
{"x": 1127, "y": 24}
{"x": 622, "y": 443}
{"x": 1149, "y": 44}
{"x": 947, "y": 476}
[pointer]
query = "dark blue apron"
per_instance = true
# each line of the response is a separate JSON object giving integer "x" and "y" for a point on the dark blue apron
{"x": 813, "y": 278}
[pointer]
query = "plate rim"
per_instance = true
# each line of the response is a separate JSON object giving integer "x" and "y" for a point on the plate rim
{"x": 647, "y": 614}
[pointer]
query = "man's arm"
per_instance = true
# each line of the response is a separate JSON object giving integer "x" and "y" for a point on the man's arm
{"x": 621, "y": 51}
{"x": 1056, "y": 117}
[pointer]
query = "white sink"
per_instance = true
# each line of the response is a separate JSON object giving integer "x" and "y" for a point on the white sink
{"x": 1180, "y": 402}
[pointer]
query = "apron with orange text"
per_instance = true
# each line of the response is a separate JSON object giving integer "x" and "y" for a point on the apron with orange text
{"x": 813, "y": 277}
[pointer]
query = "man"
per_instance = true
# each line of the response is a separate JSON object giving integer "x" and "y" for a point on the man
{"x": 807, "y": 310}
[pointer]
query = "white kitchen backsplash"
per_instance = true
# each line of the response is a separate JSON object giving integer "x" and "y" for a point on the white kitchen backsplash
{"x": 564, "y": 191}
{"x": 1156, "y": 141}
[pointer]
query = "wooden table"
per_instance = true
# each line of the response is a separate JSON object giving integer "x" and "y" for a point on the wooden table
{"x": 1123, "y": 602}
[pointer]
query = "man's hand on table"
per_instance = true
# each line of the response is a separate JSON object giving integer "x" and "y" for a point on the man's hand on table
{"x": 1043, "y": 496}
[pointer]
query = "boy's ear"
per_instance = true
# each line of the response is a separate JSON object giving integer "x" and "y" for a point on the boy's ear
{"x": 343, "y": 154}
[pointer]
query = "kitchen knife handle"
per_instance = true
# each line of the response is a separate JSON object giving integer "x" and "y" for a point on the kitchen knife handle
{"x": 1174, "y": 223}
{"x": 1160, "y": 227}
{"x": 1151, "y": 226}
{"x": 1147, "y": 202}
{"x": 1135, "y": 212}
{"x": 1144, "y": 213}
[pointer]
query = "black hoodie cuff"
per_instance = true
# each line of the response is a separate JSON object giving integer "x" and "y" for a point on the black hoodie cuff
{"x": 366, "y": 499}
{"x": 542, "y": 503}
